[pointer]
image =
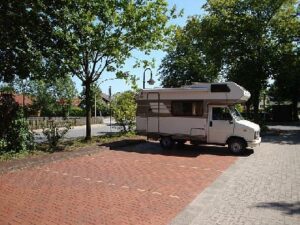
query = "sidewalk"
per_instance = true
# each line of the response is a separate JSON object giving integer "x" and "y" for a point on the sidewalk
{"x": 262, "y": 189}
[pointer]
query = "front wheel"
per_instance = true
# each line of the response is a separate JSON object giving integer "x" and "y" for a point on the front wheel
{"x": 236, "y": 146}
{"x": 166, "y": 142}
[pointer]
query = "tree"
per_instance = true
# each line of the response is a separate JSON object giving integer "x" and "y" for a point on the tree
{"x": 101, "y": 35}
{"x": 29, "y": 44}
{"x": 287, "y": 81}
{"x": 245, "y": 32}
{"x": 190, "y": 57}
{"x": 124, "y": 109}
{"x": 64, "y": 92}
{"x": 286, "y": 62}
{"x": 53, "y": 98}
{"x": 15, "y": 135}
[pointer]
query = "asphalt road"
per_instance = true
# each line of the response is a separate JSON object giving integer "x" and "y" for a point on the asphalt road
{"x": 79, "y": 131}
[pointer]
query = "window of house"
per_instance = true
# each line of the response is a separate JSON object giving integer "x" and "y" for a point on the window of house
{"x": 187, "y": 108}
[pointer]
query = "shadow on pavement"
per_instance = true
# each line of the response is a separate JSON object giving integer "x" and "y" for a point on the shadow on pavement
{"x": 143, "y": 147}
{"x": 282, "y": 137}
{"x": 286, "y": 208}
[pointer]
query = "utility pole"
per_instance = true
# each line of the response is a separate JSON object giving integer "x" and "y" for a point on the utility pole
{"x": 95, "y": 107}
{"x": 109, "y": 91}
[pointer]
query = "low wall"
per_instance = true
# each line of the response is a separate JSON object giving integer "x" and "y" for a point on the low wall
{"x": 40, "y": 122}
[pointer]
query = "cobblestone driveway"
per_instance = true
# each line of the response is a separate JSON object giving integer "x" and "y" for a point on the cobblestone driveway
{"x": 262, "y": 189}
{"x": 137, "y": 185}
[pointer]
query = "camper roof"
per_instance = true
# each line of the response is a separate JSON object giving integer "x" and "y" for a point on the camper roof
{"x": 228, "y": 91}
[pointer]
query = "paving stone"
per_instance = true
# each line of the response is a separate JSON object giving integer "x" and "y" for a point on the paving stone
{"x": 262, "y": 188}
{"x": 138, "y": 185}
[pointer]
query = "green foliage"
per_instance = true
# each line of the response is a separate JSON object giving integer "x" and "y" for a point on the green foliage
{"x": 247, "y": 42}
{"x": 76, "y": 111}
{"x": 3, "y": 145}
{"x": 239, "y": 108}
{"x": 8, "y": 111}
{"x": 19, "y": 137}
{"x": 15, "y": 135}
{"x": 29, "y": 43}
{"x": 124, "y": 109}
{"x": 6, "y": 88}
{"x": 248, "y": 34}
{"x": 286, "y": 62}
{"x": 101, "y": 35}
{"x": 55, "y": 133}
{"x": 53, "y": 98}
{"x": 190, "y": 57}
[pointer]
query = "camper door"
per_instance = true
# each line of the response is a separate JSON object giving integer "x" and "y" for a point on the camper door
{"x": 153, "y": 113}
{"x": 220, "y": 124}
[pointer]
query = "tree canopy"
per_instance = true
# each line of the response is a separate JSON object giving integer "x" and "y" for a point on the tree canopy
{"x": 190, "y": 58}
{"x": 243, "y": 39}
{"x": 29, "y": 44}
{"x": 101, "y": 35}
{"x": 52, "y": 98}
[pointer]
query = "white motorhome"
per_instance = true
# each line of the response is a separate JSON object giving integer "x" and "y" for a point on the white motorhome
{"x": 200, "y": 113}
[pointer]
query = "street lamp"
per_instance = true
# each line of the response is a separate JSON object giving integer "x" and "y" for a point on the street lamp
{"x": 150, "y": 81}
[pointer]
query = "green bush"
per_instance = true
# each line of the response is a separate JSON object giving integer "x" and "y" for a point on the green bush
{"x": 76, "y": 111}
{"x": 56, "y": 132}
{"x": 124, "y": 110}
{"x": 15, "y": 135}
{"x": 19, "y": 137}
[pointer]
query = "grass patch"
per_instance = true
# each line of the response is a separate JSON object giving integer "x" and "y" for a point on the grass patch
{"x": 69, "y": 145}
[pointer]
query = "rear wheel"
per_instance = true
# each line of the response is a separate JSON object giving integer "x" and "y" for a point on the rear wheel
{"x": 236, "y": 145}
{"x": 166, "y": 142}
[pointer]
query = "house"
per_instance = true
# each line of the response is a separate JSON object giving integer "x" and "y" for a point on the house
{"x": 20, "y": 99}
{"x": 23, "y": 100}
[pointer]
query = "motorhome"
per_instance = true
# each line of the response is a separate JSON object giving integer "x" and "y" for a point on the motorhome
{"x": 199, "y": 113}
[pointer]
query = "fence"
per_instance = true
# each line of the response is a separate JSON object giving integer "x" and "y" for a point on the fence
{"x": 40, "y": 122}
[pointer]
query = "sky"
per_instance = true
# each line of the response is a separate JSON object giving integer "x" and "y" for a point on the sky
{"x": 190, "y": 7}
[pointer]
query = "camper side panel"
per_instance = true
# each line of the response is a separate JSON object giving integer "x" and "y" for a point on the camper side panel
{"x": 182, "y": 119}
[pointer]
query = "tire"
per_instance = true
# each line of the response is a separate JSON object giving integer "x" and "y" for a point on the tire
{"x": 166, "y": 142}
{"x": 236, "y": 146}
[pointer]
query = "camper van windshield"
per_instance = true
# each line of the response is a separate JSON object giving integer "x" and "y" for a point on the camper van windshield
{"x": 235, "y": 113}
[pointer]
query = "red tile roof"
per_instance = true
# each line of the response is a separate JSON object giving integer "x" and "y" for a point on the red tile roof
{"x": 19, "y": 99}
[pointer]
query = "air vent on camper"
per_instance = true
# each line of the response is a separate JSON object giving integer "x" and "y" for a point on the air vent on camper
{"x": 219, "y": 88}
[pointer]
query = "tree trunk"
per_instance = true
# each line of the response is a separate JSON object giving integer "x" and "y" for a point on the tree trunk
{"x": 295, "y": 109}
{"x": 88, "y": 110}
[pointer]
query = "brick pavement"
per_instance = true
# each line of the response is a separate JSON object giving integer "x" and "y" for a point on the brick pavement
{"x": 262, "y": 189}
{"x": 135, "y": 185}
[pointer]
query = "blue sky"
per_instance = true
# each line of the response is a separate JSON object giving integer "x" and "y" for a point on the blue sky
{"x": 190, "y": 7}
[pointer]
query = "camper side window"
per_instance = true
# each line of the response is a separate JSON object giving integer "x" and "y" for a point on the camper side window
{"x": 219, "y": 113}
{"x": 187, "y": 108}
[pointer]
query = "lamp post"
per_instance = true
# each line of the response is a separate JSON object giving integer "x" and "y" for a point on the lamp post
{"x": 109, "y": 93}
{"x": 98, "y": 86}
{"x": 150, "y": 81}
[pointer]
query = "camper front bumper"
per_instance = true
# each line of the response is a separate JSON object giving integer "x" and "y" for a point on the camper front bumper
{"x": 254, "y": 143}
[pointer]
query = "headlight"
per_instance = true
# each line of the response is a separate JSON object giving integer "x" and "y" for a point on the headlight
{"x": 256, "y": 134}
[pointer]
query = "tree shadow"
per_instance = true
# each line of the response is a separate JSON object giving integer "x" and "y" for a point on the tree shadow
{"x": 286, "y": 208}
{"x": 282, "y": 137}
{"x": 154, "y": 148}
